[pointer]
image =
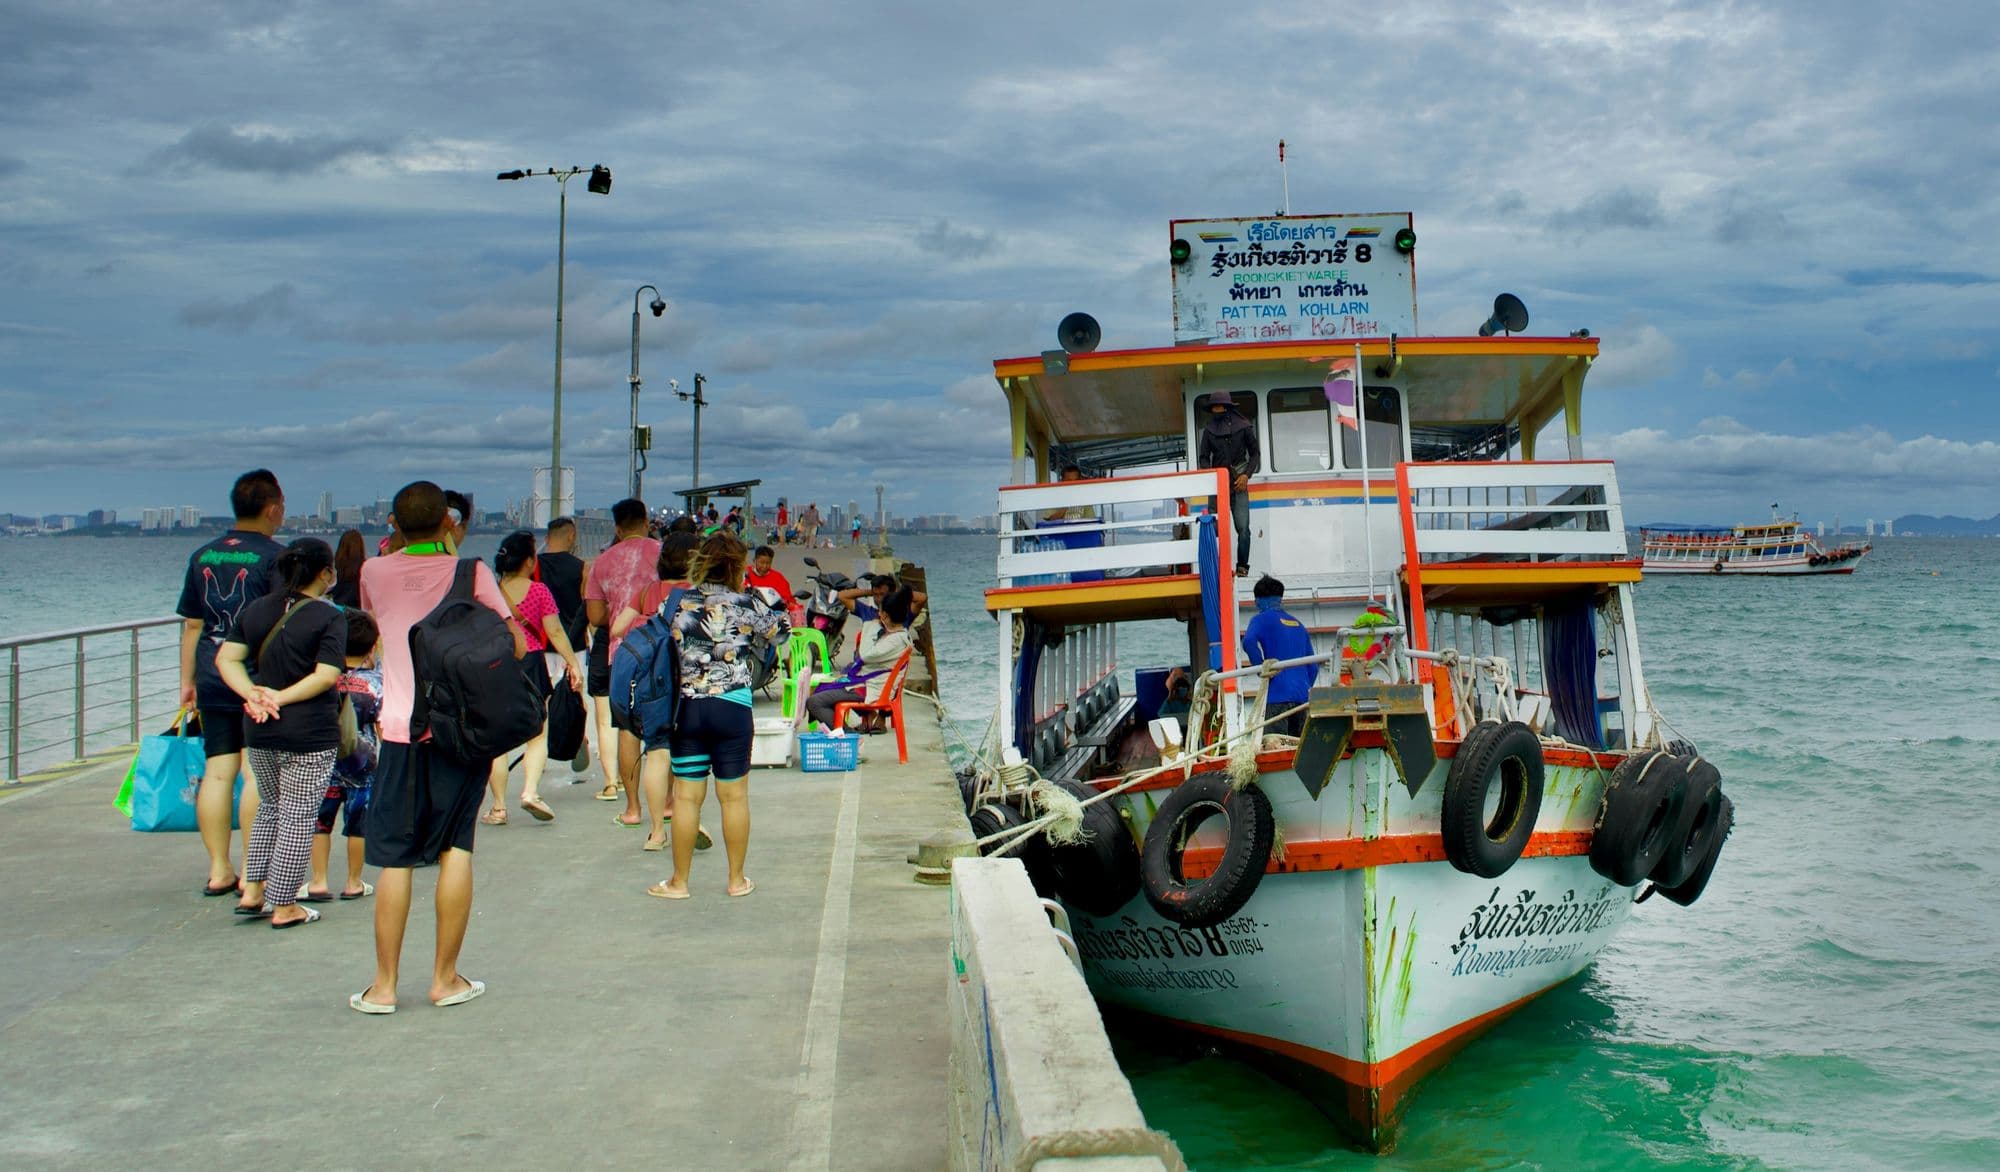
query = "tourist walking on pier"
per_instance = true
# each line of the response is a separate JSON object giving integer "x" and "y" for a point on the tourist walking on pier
{"x": 616, "y": 577}
{"x": 809, "y": 524}
{"x": 223, "y": 577}
{"x": 295, "y": 645}
{"x": 535, "y": 610}
{"x": 714, "y": 626}
{"x": 558, "y": 568}
{"x": 1230, "y": 441}
{"x": 347, "y": 792}
{"x": 425, "y": 804}
{"x": 676, "y": 549}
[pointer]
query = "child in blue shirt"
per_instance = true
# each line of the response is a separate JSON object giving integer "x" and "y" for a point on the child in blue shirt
{"x": 354, "y": 774}
{"x": 1273, "y": 634}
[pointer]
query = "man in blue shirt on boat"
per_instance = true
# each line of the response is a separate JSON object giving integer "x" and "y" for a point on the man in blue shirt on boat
{"x": 1274, "y": 634}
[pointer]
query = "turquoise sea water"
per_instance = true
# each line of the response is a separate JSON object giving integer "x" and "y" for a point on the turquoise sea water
{"x": 1832, "y": 1002}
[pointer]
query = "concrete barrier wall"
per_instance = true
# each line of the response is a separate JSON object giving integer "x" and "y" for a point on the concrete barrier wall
{"x": 1033, "y": 1081}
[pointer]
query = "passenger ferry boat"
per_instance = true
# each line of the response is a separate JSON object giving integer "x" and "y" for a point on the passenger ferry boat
{"x": 1460, "y": 825}
{"x": 1776, "y": 546}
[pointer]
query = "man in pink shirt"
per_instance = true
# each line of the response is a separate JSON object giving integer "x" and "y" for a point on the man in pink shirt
{"x": 424, "y": 803}
{"x": 616, "y": 578}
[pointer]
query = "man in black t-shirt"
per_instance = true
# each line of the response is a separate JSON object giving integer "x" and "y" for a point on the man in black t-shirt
{"x": 222, "y": 578}
{"x": 563, "y": 573}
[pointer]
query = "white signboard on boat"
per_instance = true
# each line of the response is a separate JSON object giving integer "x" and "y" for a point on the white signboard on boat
{"x": 1293, "y": 278}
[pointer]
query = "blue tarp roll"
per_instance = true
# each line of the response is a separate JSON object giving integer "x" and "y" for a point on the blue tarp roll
{"x": 1213, "y": 585}
{"x": 1569, "y": 660}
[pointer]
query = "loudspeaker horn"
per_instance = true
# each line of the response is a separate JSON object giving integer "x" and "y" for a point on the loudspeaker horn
{"x": 1079, "y": 333}
{"x": 1509, "y": 314}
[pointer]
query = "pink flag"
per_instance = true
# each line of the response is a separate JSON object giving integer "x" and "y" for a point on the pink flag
{"x": 1340, "y": 391}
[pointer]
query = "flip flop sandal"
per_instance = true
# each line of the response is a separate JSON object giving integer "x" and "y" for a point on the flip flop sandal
{"x": 539, "y": 808}
{"x": 321, "y": 897}
{"x": 360, "y": 1004}
{"x": 608, "y": 795}
{"x": 654, "y": 845}
{"x": 472, "y": 989}
{"x": 255, "y": 913}
{"x": 235, "y": 886}
{"x": 749, "y": 885}
{"x": 497, "y": 818}
{"x": 620, "y": 821}
{"x": 312, "y": 917}
{"x": 367, "y": 889}
{"x": 659, "y": 891}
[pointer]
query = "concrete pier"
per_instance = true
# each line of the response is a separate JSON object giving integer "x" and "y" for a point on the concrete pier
{"x": 142, "y": 1025}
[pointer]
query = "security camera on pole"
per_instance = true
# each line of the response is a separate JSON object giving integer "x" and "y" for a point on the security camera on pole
{"x": 641, "y": 438}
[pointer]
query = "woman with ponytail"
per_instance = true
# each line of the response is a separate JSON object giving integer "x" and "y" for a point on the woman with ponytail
{"x": 549, "y": 650}
{"x": 283, "y": 656}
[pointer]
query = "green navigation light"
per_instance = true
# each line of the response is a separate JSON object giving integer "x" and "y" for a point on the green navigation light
{"x": 1181, "y": 251}
{"x": 1406, "y": 241}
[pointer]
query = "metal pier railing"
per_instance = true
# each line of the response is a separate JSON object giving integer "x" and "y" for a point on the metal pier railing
{"x": 68, "y": 691}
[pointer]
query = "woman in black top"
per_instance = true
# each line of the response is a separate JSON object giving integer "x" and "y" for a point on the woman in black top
{"x": 284, "y": 656}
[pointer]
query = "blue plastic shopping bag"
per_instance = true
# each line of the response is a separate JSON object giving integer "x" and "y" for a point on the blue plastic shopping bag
{"x": 160, "y": 787}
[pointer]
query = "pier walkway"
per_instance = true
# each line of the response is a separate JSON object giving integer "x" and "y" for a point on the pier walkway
{"x": 142, "y": 1025}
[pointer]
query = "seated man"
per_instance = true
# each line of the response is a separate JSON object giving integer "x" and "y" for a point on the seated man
{"x": 866, "y": 599}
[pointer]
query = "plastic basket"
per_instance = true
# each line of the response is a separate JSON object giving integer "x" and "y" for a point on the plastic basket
{"x": 822, "y": 753}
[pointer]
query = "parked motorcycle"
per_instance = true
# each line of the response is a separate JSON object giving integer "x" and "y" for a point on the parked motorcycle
{"x": 825, "y": 612}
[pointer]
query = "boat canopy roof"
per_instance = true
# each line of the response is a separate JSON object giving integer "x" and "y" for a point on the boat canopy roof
{"x": 1471, "y": 384}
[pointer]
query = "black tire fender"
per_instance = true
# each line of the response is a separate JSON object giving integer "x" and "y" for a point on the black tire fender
{"x": 1701, "y": 810}
{"x": 1503, "y": 757}
{"x": 1033, "y": 852}
{"x": 1206, "y": 902}
{"x": 1100, "y": 874}
{"x": 1636, "y": 819}
{"x": 1686, "y": 892}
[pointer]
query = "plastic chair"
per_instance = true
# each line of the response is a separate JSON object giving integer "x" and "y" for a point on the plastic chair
{"x": 890, "y": 705}
{"x": 798, "y": 668}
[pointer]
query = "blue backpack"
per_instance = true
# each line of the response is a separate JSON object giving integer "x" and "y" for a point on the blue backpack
{"x": 646, "y": 673}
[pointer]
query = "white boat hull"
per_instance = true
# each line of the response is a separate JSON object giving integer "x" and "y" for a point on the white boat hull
{"x": 1355, "y": 983}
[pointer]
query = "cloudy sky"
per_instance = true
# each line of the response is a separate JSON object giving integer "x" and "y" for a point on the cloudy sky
{"x": 243, "y": 232}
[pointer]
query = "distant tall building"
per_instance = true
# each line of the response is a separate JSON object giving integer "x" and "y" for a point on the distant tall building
{"x": 1870, "y": 530}
{"x": 854, "y": 510}
{"x": 325, "y": 507}
{"x": 1888, "y": 528}
{"x": 149, "y": 520}
{"x": 102, "y": 517}
{"x": 190, "y": 516}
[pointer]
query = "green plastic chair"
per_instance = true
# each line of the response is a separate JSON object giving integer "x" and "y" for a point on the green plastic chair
{"x": 798, "y": 667}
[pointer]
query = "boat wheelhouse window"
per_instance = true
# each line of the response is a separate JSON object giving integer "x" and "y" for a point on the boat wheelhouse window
{"x": 1301, "y": 430}
{"x": 1382, "y": 410}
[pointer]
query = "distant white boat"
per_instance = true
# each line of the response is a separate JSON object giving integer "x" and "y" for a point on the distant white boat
{"x": 1776, "y": 546}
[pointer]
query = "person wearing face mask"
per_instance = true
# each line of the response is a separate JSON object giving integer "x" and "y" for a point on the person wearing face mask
{"x": 1274, "y": 634}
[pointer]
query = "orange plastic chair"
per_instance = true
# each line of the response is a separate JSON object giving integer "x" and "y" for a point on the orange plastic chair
{"x": 890, "y": 705}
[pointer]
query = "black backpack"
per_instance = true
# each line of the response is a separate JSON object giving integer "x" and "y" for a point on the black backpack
{"x": 472, "y": 694}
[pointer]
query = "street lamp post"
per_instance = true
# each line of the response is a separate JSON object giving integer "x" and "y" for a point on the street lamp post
{"x": 699, "y": 403}
{"x": 632, "y": 460}
{"x": 599, "y": 184}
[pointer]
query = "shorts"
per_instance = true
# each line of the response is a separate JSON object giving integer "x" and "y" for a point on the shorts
{"x": 597, "y": 673}
{"x": 221, "y": 731}
{"x": 423, "y": 803}
{"x": 711, "y": 735}
{"x": 356, "y": 801}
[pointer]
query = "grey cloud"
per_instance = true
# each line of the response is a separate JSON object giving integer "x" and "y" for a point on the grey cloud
{"x": 942, "y": 239}
{"x": 251, "y": 152}
{"x": 11, "y": 165}
{"x": 272, "y": 304}
{"x": 1948, "y": 279}
{"x": 1621, "y": 207}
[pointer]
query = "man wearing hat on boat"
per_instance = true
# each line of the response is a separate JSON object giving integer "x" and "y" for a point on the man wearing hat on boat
{"x": 1230, "y": 441}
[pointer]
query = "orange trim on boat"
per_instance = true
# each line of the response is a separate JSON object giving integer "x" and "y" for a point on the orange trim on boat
{"x": 1352, "y": 854}
{"x": 1392, "y": 1076}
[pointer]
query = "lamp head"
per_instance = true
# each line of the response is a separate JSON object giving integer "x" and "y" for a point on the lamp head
{"x": 600, "y": 180}
{"x": 658, "y": 307}
{"x": 511, "y": 175}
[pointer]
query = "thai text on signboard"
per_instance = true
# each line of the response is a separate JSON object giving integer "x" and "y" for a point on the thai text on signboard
{"x": 1293, "y": 278}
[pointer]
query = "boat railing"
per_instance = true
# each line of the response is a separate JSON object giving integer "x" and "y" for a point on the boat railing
{"x": 1084, "y": 530}
{"x": 86, "y": 687}
{"x": 1512, "y": 511}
